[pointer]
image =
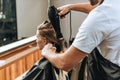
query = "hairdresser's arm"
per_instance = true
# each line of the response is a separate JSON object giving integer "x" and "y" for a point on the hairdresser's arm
{"x": 65, "y": 61}
{"x": 82, "y": 7}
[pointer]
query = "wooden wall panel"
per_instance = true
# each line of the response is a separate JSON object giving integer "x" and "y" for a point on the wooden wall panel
{"x": 19, "y": 64}
{"x": 30, "y": 61}
{"x": 2, "y": 74}
{"x": 24, "y": 65}
{"x": 8, "y": 73}
{"x": 37, "y": 55}
{"x": 14, "y": 72}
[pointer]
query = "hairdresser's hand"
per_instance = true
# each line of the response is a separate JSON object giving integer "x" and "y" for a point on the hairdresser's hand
{"x": 63, "y": 10}
{"x": 48, "y": 49}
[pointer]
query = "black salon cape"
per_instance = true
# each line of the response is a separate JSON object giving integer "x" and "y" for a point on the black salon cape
{"x": 98, "y": 68}
{"x": 43, "y": 70}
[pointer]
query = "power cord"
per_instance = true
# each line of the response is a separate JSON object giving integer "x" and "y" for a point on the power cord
{"x": 70, "y": 37}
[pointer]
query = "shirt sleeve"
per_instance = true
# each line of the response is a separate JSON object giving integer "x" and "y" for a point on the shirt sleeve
{"x": 91, "y": 32}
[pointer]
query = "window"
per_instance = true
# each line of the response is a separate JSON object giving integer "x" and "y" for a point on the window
{"x": 8, "y": 23}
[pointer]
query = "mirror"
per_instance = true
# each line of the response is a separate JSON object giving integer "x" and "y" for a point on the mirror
{"x": 19, "y": 19}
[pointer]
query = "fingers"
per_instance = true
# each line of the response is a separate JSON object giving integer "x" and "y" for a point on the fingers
{"x": 48, "y": 45}
{"x": 48, "y": 49}
{"x": 53, "y": 49}
{"x": 63, "y": 10}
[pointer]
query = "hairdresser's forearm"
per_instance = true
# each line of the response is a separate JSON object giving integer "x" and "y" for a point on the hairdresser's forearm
{"x": 82, "y": 7}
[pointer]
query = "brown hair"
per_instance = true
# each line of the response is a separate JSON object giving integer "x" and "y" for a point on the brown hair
{"x": 47, "y": 31}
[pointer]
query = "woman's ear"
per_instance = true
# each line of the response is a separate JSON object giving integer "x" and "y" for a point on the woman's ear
{"x": 45, "y": 41}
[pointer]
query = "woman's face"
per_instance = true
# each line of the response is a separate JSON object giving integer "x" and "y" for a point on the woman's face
{"x": 41, "y": 41}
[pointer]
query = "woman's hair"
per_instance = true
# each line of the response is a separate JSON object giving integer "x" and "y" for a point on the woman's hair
{"x": 47, "y": 31}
